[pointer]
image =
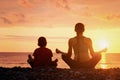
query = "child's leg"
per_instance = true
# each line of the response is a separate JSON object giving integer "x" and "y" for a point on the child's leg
{"x": 30, "y": 60}
{"x": 54, "y": 63}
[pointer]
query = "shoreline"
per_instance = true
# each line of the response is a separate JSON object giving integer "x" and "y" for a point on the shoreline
{"x": 26, "y": 73}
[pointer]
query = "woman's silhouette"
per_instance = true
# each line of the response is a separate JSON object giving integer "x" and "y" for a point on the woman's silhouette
{"x": 84, "y": 55}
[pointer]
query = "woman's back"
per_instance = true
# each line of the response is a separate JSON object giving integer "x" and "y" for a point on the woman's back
{"x": 80, "y": 48}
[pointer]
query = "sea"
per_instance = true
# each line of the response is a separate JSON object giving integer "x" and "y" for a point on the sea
{"x": 19, "y": 59}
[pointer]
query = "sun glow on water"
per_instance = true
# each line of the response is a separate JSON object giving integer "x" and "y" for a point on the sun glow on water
{"x": 103, "y": 61}
{"x": 103, "y": 44}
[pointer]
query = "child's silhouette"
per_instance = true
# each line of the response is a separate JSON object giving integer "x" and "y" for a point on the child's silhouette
{"x": 42, "y": 56}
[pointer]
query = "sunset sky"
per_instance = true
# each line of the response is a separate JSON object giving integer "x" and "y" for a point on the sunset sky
{"x": 22, "y": 22}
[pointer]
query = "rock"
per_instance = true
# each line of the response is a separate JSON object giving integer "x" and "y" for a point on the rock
{"x": 20, "y": 73}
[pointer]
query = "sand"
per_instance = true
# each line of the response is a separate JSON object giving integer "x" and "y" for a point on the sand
{"x": 23, "y": 73}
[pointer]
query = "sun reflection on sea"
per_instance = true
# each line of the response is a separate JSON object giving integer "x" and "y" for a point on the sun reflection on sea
{"x": 103, "y": 64}
{"x": 103, "y": 44}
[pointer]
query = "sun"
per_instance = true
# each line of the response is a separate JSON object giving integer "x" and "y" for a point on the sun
{"x": 103, "y": 44}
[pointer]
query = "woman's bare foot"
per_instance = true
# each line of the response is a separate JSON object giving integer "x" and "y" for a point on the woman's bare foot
{"x": 58, "y": 51}
{"x": 56, "y": 60}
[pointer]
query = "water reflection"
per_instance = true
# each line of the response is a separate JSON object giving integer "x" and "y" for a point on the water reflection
{"x": 103, "y": 61}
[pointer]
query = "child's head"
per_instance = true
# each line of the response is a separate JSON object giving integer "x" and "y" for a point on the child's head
{"x": 42, "y": 42}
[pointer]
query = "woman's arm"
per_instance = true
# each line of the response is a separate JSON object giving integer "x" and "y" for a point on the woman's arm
{"x": 69, "y": 54}
{"x": 92, "y": 50}
{"x": 90, "y": 47}
{"x": 69, "y": 48}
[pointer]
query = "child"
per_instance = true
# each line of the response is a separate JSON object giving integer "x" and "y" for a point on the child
{"x": 42, "y": 56}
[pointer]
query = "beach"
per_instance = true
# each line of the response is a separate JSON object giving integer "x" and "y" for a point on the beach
{"x": 13, "y": 67}
{"x": 26, "y": 73}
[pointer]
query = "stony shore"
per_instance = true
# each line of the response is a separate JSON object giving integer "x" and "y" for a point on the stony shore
{"x": 21, "y": 73}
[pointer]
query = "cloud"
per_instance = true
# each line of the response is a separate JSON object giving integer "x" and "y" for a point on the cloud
{"x": 32, "y": 3}
{"x": 95, "y": 2}
{"x": 8, "y": 18}
{"x": 54, "y": 12}
{"x": 5, "y": 20}
{"x": 19, "y": 37}
{"x": 62, "y": 3}
{"x": 20, "y": 17}
{"x": 113, "y": 17}
{"x": 25, "y": 3}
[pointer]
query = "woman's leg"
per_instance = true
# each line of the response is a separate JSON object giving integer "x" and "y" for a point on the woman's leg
{"x": 95, "y": 59}
{"x": 70, "y": 62}
{"x": 92, "y": 62}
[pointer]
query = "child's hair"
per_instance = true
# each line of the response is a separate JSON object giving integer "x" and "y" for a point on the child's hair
{"x": 42, "y": 41}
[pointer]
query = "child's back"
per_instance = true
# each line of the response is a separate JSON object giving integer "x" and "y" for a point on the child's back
{"x": 42, "y": 55}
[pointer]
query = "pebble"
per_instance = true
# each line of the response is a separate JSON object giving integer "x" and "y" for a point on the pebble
{"x": 21, "y": 73}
